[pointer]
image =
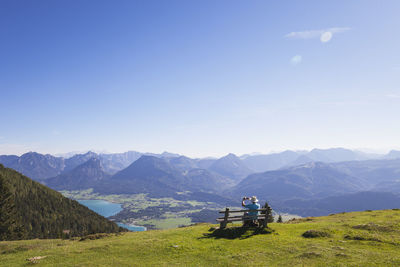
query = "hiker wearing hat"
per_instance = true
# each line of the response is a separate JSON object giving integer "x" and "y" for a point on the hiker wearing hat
{"x": 252, "y": 215}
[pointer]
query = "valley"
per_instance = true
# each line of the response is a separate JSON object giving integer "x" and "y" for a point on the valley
{"x": 154, "y": 213}
{"x": 168, "y": 190}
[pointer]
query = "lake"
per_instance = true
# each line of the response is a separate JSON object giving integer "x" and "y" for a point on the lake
{"x": 107, "y": 209}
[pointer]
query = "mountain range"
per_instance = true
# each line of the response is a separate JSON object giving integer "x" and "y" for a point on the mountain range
{"x": 262, "y": 163}
{"x": 310, "y": 180}
{"x": 156, "y": 176}
{"x": 41, "y": 167}
{"x": 279, "y": 177}
{"x": 359, "y": 201}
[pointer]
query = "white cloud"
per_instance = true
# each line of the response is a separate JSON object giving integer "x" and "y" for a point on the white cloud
{"x": 396, "y": 96}
{"x": 325, "y": 35}
{"x": 296, "y": 60}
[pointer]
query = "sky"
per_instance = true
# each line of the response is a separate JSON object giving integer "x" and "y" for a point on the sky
{"x": 199, "y": 78}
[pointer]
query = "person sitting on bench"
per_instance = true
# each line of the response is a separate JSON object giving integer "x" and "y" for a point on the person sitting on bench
{"x": 251, "y": 215}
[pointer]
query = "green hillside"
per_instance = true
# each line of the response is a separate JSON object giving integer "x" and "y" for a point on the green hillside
{"x": 31, "y": 210}
{"x": 370, "y": 238}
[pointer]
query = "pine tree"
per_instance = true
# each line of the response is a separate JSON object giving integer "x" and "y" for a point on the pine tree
{"x": 8, "y": 226}
{"x": 268, "y": 213}
{"x": 279, "y": 219}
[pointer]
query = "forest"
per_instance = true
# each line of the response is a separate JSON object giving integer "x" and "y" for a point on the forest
{"x": 31, "y": 210}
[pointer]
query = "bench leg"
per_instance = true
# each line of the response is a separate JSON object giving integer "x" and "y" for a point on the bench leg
{"x": 264, "y": 223}
{"x": 222, "y": 225}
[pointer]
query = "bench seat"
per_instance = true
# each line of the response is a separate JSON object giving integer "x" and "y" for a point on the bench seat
{"x": 243, "y": 217}
{"x": 240, "y": 218}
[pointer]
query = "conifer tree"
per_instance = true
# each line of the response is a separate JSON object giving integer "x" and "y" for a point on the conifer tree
{"x": 268, "y": 213}
{"x": 279, "y": 219}
{"x": 8, "y": 225}
{"x": 31, "y": 210}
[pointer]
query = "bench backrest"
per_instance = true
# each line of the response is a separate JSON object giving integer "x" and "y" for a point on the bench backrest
{"x": 224, "y": 220}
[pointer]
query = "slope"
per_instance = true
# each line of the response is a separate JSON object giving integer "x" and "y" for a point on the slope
{"x": 374, "y": 172}
{"x": 354, "y": 239}
{"x": 78, "y": 159}
{"x": 341, "y": 203}
{"x": 81, "y": 177}
{"x": 160, "y": 178}
{"x": 45, "y": 213}
{"x": 306, "y": 181}
{"x": 231, "y": 166}
{"x": 34, "y": 165}
{"x": 148, "y": 174}
{"x": 263, "y": 163}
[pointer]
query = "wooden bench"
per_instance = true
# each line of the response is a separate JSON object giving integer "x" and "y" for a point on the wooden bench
{"x": 240, "y": 215}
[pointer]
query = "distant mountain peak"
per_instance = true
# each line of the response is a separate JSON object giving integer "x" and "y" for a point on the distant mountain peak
{"x": 231, "y": 166}
{"x": 167, "y": 154}
{"x": 143, "y": 164}
{"x": 92, "y": 162}
{"x": 81, "y": 177}
{"x": 148, "y": 158}
{"x": 393, "y": 154}
{"x": 90, "y": 153}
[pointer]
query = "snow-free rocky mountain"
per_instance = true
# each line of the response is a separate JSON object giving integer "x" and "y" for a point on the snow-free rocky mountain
{"x": 81, "y": 177}
{"x": 320, "y": 175}
{"x": 231, "y": 166}
{"x": 311, "y": 180}
{"x": 41, "y": 167}
{"x": 159, "y": 178}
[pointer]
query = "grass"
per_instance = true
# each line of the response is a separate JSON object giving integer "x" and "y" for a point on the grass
{"x": 167, "y": 223}
{"x": 355, "y": 239}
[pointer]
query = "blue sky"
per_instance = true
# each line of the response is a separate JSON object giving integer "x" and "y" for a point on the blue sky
{"x": 201, "y": 78}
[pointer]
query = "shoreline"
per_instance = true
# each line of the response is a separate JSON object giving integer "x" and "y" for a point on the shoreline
{"x": 125, "y": 225}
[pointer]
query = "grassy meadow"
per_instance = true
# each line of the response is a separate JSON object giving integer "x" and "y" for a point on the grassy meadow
{"x": 369, "y": 238}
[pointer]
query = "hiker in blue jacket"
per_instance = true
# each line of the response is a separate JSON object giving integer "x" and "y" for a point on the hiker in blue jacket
{"x": 252, "y": 213}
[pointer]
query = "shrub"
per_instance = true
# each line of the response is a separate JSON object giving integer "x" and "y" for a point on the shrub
{"x": 373, "y": 227}
{"x": 361, "y": 238}
{"x": 315, "y": 233}
{"x": 310, "y": 254}
{"x": 94, "y": 236}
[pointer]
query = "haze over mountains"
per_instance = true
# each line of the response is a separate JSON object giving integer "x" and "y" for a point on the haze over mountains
{"x": 280, "y": 177}
{"x": 311, "y": 180}
{"x": 41, "y": 167}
